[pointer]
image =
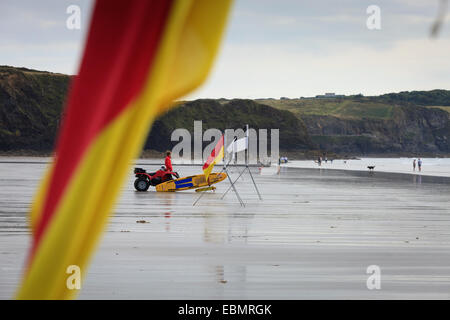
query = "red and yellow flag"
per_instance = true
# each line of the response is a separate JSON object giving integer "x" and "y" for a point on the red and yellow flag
{"x": 215, "y": 156}
{"x": 139, "y": 57}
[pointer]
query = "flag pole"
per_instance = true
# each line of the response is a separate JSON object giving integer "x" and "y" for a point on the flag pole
{"x": 246, "y": 163}
{"x": 247, "y": 145}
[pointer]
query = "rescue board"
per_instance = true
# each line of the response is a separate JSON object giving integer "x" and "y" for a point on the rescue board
{"x": 191, "y": 182}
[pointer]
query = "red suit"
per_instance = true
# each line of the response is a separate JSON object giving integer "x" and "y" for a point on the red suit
{"x": 168, "y": 164}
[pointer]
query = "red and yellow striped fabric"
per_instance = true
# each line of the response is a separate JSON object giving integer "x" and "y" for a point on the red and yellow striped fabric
{"x": 215, "y": 156}
{"x": 139, "y": 57}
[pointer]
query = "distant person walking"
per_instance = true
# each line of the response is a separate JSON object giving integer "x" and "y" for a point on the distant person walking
{"x": 419, "y": 164}
{"x": 414, "y": 165}
{"x": 319, "y": 161}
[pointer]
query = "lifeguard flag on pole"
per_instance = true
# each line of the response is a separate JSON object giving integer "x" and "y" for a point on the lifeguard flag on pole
{"x": 215, "y": 156}
{"x": 139, "y": 57}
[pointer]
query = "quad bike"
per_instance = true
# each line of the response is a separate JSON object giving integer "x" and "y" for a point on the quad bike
{"x": 144, "y": 180}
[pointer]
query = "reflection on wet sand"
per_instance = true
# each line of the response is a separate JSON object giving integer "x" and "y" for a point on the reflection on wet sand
{"x": 167, "y": 215}
{"x": 220, "y": 229}
{"x": 167, "y": 204}
{"x": 417, "y": 179}
{"x": 214, "y": 232}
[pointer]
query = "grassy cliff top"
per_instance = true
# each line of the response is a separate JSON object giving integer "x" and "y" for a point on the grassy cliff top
{"x": 8, "y": 69}
{"x": 445, "y": 108}
{"x": 340, "y": 108}
{"x": 360, "y": 107}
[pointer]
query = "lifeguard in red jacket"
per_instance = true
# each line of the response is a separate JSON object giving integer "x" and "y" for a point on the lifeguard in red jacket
{"x": 168, "y": 162}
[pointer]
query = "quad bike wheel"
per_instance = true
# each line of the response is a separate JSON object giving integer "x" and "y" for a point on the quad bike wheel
{"x": 141, "y": 184}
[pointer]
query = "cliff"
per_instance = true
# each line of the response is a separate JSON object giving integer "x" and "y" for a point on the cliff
{"x": 30, "y": 106}
{"x": 374, "y": 125}
{"x": 230, "y": 114}
{"x": 31, "y": 103}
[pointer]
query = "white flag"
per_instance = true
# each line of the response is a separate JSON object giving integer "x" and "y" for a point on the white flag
{"x": 237, "y": 145}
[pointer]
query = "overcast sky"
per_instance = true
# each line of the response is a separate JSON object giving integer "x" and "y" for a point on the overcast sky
{"x": 271, "y": 48}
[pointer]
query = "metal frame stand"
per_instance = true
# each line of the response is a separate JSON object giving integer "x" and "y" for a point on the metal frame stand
{"x": 246, "y": 168}
{"x": 224, "y": 169}
{"x": 232, "y": 186}
{"x": 232, "y": 183}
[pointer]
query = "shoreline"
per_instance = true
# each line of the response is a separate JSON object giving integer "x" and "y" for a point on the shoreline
{"x": 353, "y": 165}
{"x": 290, "y": 154}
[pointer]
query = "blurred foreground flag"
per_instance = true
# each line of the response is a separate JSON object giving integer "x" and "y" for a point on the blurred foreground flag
{"x": 139, "y": 57}
{"x": 215, "y": 156}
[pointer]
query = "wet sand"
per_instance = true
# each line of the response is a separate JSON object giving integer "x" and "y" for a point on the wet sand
{"x": 312, "y": 237}
{"x": 439, "y": 167}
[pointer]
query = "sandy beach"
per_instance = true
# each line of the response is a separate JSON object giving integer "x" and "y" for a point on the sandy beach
{"x": 311, "y": 237}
